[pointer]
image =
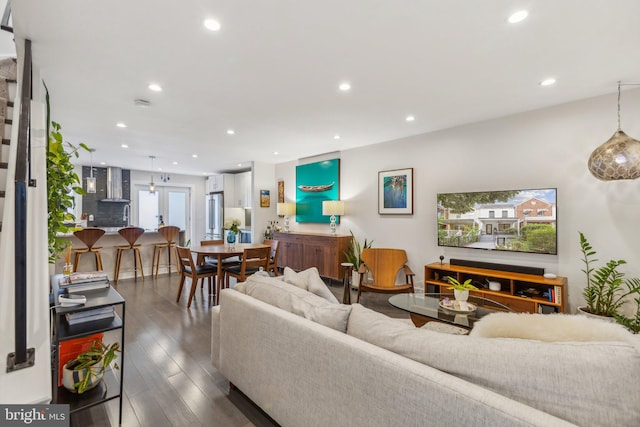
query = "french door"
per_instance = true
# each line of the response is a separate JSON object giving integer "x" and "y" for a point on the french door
{"x": 170, "y": 205}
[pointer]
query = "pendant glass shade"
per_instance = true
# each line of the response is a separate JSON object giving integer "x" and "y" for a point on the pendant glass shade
{"x": 91, "y": 184}
{"x": 618, "y": 158}
{"x": 152, "y": 186}
{"x": 91, "y": 181}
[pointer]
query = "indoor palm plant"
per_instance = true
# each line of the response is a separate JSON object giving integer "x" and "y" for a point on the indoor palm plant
{"x": 607, "y": 288}
{"x": 86, "y": 370}
{"x": 354, "y": 256}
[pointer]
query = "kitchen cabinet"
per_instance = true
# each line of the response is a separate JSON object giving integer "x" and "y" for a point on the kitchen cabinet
{"x": 242, "y": 193}
{"x": 300, "y": 251}
{"x": 220, "y": 182}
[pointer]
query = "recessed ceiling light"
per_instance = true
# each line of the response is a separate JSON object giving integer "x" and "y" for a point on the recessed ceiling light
{"x": 231, "y": 132}
{"x": 175, "y": 163}
{"x": 344, "y": 86}
{"x": 124, "y": 146}
{"x": 121, "y": 125}
{"x": 155, "y": 87}
{"x": 336, "y": 136}
{"x": 195, "y": 156}
{"x": 519, "y": 16}
{"x": 275, "y": 153}
{"x": 212, "y": 24}
{"x": 410, "y": 118}
{"x": 548, "y": 82}
{"x": 239, "y": 164}
{"x": 103, "y": 163}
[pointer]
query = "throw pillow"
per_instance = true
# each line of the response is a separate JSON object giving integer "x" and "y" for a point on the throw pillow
{"x": 549, "y": 327}
{"x": 311, "y": 281}
{"x": 298, "y": 301}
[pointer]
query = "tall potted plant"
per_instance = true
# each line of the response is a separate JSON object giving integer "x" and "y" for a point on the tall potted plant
{"x": 62, "y": 183}
{"x": 354, "y": 256}
{"x": 607, "y": 288}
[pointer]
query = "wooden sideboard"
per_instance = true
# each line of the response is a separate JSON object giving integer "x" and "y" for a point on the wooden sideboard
{"x": 300, "y": 251}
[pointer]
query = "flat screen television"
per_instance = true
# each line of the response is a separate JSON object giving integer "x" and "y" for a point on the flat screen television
{"x": 512, "y": 220}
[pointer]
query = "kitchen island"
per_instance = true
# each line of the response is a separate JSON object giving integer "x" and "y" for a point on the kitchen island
{"x": 109, "y": 241}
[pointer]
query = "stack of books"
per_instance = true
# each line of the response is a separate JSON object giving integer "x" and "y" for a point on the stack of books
{"x": 84, "y": 281}
{"x": 103, "y": 313}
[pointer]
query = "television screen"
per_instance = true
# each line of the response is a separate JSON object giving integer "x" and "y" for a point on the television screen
{"x": 513, "y": 220}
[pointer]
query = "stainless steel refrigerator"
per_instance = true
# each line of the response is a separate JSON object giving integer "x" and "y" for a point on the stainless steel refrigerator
{"x": 214, "y": 214}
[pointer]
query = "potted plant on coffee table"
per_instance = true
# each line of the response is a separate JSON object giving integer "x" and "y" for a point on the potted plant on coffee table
{"x": 354, "y": 256}
{"x": 607, "y": 289}
{"x": 460, "y": 290}
{"x": 86, "y": 370}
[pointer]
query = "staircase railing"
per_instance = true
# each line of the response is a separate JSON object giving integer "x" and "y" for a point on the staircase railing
{"x": 23, "y": 357}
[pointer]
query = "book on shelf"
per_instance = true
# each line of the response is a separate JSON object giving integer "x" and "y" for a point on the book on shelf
{"x": 74, "y": 289}
{"x": 558, "y": 294}
{"x": 90, "y": 315}
{"x": 79, "y": 278}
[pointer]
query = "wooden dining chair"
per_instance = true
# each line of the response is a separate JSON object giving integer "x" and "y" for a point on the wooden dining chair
{"x": 272, "y": 265}
{"x": 384, "y": 265}
{"x": 89, "y": 236}
{"x": 252, "y": 260}
{"x": 131, "y": 235}
{"x": 190, "y": 270}
{"x": 170, "y": 234}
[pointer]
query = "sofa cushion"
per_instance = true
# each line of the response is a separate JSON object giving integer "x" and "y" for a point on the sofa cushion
{"x": 311, "y": 281}
{"x": 587, "y": 383}
{"x": 297, "y": 301}
{"x": 549, "y": 327}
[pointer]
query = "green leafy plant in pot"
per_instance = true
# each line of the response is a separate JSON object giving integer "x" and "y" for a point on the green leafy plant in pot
{"x": 460, "y": 290}
{"x": 62, "y": 182}
{"x": 354, "y": 256}
{"x": 87, "y": 369}
{"x": 607, "y": 288}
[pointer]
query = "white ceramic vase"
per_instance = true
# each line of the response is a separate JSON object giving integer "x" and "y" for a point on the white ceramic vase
{"x": 461, "y": 295}
{"x": 355, "y": 279}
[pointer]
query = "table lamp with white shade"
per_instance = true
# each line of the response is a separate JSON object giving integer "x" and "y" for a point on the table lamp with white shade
{"x": 333, "y": 208}
{"x": 286, "y": 209}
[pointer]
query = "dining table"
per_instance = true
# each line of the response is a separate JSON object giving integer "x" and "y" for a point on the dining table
{"x": 220, "y": 252}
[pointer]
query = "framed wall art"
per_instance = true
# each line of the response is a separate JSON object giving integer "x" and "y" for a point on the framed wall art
{"x": 315, "y": 183}
{"x": 395, "y": 192}
{"x": 265, "y": 198}
{"x": 280, "y": 191}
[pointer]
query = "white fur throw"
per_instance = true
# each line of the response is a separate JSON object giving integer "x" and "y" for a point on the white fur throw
{"x": 549, "y": 327}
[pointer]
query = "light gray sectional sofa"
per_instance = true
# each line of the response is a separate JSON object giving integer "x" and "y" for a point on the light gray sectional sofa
{"x": 308, "y": 361}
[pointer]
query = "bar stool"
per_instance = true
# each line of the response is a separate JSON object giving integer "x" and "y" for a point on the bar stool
{"x": 131, "y": 235}
{"x": 89, "y": 236}
{"x": 169, "y": 232}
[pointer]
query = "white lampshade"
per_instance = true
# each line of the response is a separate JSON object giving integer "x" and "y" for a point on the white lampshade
{"x": 286, "y": 208}
{"x": 333, "y": 207}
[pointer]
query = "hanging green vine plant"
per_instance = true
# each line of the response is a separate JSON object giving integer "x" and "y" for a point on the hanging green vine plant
{"x": 62, "y": 182}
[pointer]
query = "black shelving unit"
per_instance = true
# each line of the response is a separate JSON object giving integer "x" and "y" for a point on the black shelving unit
{"x": 112, "y": 385}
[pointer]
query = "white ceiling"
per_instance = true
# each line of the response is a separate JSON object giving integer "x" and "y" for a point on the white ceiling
{"x": 272, "y": 72}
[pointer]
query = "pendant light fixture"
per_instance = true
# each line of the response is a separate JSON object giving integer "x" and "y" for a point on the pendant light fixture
{"x": 91, "y": 181}
{"x": 618, "y": 158}
{"x": 152, "y": 186}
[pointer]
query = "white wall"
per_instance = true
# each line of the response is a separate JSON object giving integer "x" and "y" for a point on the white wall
{"x": 539, "y": 149}
{"x": 262, "y": 179}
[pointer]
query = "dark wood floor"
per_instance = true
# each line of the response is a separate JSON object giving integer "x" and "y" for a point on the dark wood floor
{"x": 168, "y": 376}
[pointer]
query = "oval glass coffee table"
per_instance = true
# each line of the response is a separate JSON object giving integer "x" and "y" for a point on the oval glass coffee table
{"x": 425, "y": 308}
